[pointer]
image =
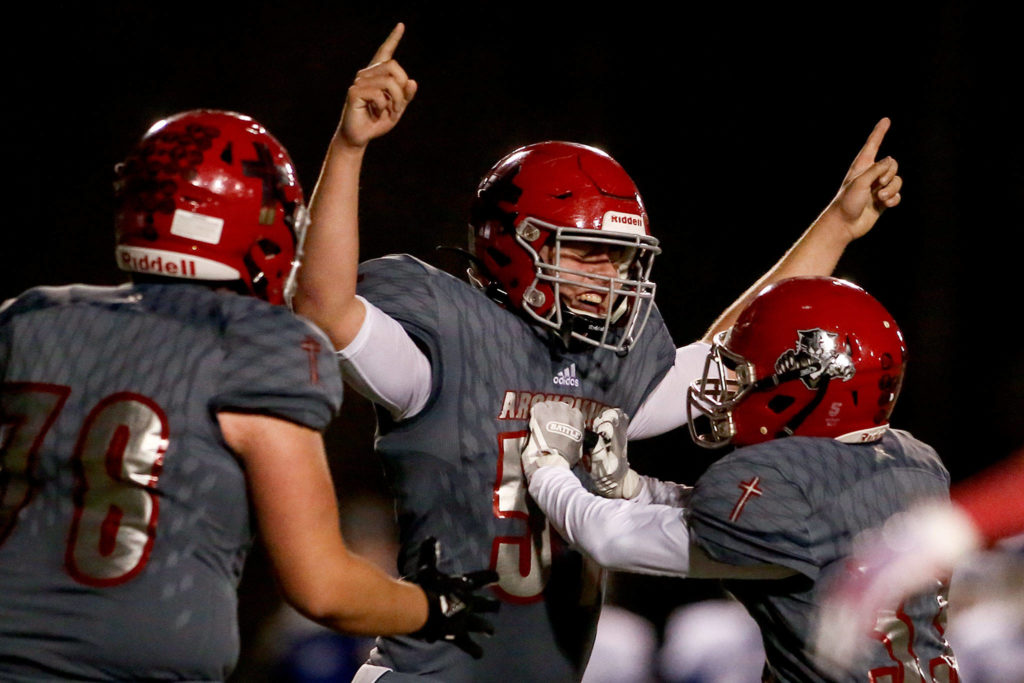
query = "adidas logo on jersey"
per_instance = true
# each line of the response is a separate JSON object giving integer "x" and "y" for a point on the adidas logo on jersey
{"x": 567, "y": 377}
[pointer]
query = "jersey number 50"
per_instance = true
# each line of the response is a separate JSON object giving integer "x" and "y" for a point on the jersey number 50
{"x": 522, "y": 561}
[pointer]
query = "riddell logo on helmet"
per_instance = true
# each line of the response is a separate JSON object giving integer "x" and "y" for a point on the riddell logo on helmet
{"x": 172, "y": 264}
{"x": 615, "y": 221}
{"x": 157, "y": 265}
{"x": 626, "y": 220}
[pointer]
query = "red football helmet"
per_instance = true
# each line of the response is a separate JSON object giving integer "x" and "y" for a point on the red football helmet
{"x": 811, "y": 356}
{"x": 211, "y": 195}
{"x": 535, "y": 201}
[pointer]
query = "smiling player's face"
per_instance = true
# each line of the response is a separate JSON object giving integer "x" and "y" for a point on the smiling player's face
{"x": 592, "y": 265}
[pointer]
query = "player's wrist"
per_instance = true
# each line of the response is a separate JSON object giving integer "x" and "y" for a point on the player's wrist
{"x": 835, "y": 228}
{"x": 532, "y": 465}
{"x": 345, "y": 146}
{"x": 431, "y": 630}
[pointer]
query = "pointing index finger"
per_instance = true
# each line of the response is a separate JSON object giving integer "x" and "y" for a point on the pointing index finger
{"x": 869, "y": 151}
{"x": 387, "y": 48}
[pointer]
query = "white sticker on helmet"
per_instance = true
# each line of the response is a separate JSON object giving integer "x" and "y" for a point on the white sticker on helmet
{"x": 196, "y": 226}
{"x": 614, "y": 221}
{"x": 173, "y": 264}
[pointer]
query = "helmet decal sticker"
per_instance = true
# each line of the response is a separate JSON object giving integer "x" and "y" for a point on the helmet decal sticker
{"x": 495, "y": 190}
{"x": 263, "y": 167}
{"x": 817, "y": 355}
{"x": 169, "y": 152}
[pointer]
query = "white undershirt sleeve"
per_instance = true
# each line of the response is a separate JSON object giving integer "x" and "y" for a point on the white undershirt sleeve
{"x": 664, "y": 409}
{"x": 617, "y": 534}
{"x": 661, "y": 492}
{"x": 385, "y": 366}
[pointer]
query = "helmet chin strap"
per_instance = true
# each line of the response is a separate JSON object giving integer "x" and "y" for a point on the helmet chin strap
{"x": 572, "y": 323}
{"x": 576, "y": 325}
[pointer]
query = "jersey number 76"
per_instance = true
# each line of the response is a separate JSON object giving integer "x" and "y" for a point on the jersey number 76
{"x": 116, "y": 461}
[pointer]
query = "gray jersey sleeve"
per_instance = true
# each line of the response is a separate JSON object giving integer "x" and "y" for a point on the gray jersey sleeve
{"x": 277, "y": 364}
{"x": 745, "y": 512}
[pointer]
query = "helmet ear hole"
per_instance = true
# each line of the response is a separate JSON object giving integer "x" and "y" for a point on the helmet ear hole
{"x": 499, "y": 257}
{"x": 780, "y": 403}
{"x": 269, "y": 247}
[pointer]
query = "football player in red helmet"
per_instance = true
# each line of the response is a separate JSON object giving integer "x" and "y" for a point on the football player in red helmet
{"x": 211, "y": 196}
{"x": 812, "y": 370}
{"x": 561, "y": 241}
{"x": 809, "y": 357}
{"x": 560, "y": 232}
{"x": 142, "y": 423}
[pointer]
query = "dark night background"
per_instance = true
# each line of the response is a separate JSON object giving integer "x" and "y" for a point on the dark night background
{"x": 736, "y": 124}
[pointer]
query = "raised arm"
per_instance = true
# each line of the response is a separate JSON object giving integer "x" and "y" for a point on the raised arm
{"x": 868, "y": 189}
{"x": 327, "y": 280}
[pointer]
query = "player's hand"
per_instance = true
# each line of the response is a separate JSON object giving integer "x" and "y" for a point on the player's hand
{"x": 556, "y": 437}
{"x": 607, "y": 463}
{"x": 911, "y": 552}
{"x": 378, "y": 96}
{"x": 455, "y": 607}
{"x": 869, "y": 188}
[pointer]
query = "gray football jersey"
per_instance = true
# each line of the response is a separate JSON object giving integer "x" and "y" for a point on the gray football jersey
{"x": 799, "y": 502}
{"x": 124, "y": 519}
{"x": 456, "y": 473}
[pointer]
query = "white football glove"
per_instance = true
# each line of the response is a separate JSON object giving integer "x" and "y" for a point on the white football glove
{"x": 608, "y": 465}
{"x": 556, "y": 437}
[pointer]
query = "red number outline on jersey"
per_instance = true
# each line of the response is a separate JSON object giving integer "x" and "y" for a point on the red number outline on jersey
{"x": 112, "y": 464}
{"x": 117, "y": 463}
{"x": 896, "y": 630}
{"x": 17, "y": 457}
{"x": 524, "y": 582}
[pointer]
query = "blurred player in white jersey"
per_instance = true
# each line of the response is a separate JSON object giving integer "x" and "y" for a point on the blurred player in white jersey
{"x": 804, "y": 382}
{"x": 141, "y": 424}
{"x": 559, "y": 304}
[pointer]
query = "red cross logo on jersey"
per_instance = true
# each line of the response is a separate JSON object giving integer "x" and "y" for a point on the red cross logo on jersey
{"x": 749, "y": 489}
{"x": 312, "y": 347}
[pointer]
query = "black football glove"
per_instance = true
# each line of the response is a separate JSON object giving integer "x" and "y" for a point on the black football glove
{"x": 454, "y": 605}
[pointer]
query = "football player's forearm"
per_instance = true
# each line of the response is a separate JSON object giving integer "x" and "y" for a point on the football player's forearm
{"x": 358, "y": 598}
{"x": 658, "y": 492}
{"x": 293, "y": 498}
{"x": 618, "y": 534}
{"x": 816, "y": 252}
{"x": 327, "y": 277}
